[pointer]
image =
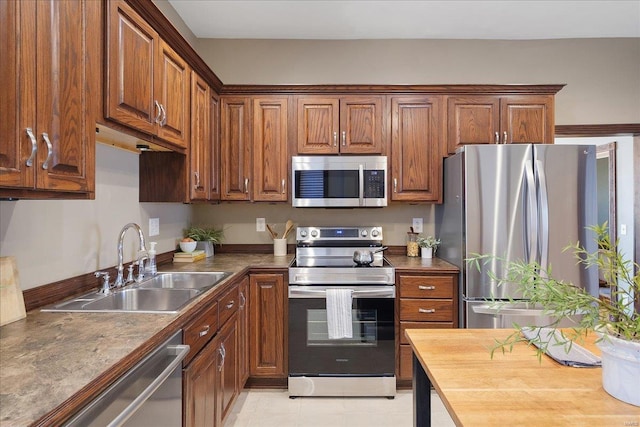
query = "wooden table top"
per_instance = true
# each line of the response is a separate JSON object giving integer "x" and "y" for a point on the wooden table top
{"x": 513, "y": 389}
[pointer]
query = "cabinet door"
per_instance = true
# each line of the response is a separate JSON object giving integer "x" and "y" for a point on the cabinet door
{"x": 200, "y": 386}
{"x": 132, "y": 50}
{"x": 267, "y": 325}
{"x": 472, "y": 120}
{"x": 228, "y": 370}
{"x": 235, "y": 148}
{"x": 17, "y": 94}
{"x": 66, "y": 127}
{"x": 361, "y": 125}
{"x": 270, "y": 149}
{"x": 200, "y": 149}
{"x": 416, "y": 135}
{"x": 172, "y": 88}
{"x": 243, "y": 333}
{"x": 527, "y": 119}
{"x": 318, "y": 125}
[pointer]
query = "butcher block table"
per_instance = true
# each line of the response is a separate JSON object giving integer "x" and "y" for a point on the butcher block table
{"x": 512, "y": 389}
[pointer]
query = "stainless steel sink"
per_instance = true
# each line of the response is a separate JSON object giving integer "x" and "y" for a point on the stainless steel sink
{"x": 184, "y": 280}
{"x": 163, "y": 293}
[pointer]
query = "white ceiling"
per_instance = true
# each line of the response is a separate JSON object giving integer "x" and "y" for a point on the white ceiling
{"x": 418, "y": 19}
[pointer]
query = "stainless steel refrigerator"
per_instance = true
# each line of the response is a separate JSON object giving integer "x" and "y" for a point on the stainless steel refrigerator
{"x": 517, "y": 202}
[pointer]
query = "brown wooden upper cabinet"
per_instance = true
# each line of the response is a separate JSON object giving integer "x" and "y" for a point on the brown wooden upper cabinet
{"x": 200, "y": 152}
{"x": 50, "y": 76}
{"x": 416, "y": 153}
{"x": 148, "y": 83}
{"x": 348, "y": 124}
{"x": 487, "y": 119}
{"x": 253, "y": 145}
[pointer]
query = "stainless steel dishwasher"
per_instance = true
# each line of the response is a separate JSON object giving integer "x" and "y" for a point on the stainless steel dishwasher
{"x": 150, "y": 394}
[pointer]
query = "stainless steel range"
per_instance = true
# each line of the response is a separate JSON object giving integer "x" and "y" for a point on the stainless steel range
{"x": 341, "y": 315}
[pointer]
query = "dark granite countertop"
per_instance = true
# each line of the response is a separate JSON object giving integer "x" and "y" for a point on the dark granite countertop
{"x": 47, "y": 358}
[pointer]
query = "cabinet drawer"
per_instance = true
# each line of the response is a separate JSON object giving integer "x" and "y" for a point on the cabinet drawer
{"x": 421, "y": 325}
{"x": 197, "y": 333}
{"x": 426, "y": 286}
{"x": 228, "y": 304}
{"x": 425, "y": 310}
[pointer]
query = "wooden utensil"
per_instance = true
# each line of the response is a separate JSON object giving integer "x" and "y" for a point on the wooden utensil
{"x": 11, "y": 298}
{"x": 274, "y": 235}
{"x": 287, "y": 228}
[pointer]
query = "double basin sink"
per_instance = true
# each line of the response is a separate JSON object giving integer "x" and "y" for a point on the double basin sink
{"x": 162, "y": 293}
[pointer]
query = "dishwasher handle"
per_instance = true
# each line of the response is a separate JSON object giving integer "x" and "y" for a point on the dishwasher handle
{"x": 180, "y": 352}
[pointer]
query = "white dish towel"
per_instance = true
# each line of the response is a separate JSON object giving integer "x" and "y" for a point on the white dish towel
{"x": 339, "y": 321}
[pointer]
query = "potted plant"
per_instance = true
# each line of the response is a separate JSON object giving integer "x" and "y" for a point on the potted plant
{"x": 205, "y": 236}
{"x": 614, "y": 319}
{"x": 428, "y": 245}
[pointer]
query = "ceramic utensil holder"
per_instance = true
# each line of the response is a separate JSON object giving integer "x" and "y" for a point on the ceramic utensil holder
{"x": 279, "y": 247}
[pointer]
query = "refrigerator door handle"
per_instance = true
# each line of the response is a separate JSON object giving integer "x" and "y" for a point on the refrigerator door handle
{"x": 543, "y": 214}
{"x": 532, "y": 215}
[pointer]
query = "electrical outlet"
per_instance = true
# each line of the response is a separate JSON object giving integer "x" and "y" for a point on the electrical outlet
{"x": 260, "y": 224}
{"x": 417, "y": 225}
{"x": 154, "y": 226}
{"x": 623, "y": 229}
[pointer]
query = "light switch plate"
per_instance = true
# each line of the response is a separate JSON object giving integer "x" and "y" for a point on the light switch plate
{"x": 417, "y": 225}
{"x": 154, "y": 226}
{"x": 260, "y": 224}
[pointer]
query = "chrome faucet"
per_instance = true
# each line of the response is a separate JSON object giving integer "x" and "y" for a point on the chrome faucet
{"x": 120, "y": 278}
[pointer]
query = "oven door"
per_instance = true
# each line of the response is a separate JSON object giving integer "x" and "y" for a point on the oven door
{"x": 371, "y": 351}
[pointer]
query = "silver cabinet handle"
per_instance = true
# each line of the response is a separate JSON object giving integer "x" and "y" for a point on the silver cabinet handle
{"x": 426, "y": 310}
{"x": 163, "y": 121}
{"x": 223, "y": 352}
{"x": 34, "y": 146}
{"x": 246, "y": 185}
{"x": 426, "y": 288}
{"x": 204, "y": 331}
{"x": 159, "y": 109}
{"x": 497, "y": 138}
{"x": 344, "y": 138}
{"x": 335, "y": 139}
{"x": 45, "y": 165}
{"x": 230, "y": 305}
{"x": 197, "y": 176}
{"x": 504, "y": 137}
{"x": 283, "y": 185}
{"x": 395, "y": 185}
{"x": 243, "y": 300}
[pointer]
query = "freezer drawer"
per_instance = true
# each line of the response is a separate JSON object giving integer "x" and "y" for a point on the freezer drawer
{"x": 483, "y": 314}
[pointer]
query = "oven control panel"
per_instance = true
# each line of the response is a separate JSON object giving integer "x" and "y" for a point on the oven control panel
{"x": 335, "y": 234}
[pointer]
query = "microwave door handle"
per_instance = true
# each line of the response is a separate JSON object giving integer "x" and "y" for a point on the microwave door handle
{"x": 361, "y": 183}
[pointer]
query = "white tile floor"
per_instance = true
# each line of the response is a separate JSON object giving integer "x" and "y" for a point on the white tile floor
{"x": 266, "y": 408}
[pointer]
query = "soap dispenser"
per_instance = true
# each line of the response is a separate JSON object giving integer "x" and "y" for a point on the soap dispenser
{"x": 152, "y": 268}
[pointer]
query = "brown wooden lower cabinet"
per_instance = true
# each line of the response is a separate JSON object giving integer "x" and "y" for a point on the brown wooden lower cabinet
{"x": 267, "y": 307}
{"x": 426, "y": 301}
{"x": 211, "y": 377}
{"x": 243, "y": 333}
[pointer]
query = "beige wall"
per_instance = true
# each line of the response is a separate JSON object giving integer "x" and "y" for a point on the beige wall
{"x": 602, "y": 75}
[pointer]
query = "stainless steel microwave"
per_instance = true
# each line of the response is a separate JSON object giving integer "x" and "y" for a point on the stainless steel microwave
{"x": 339, "y": 181}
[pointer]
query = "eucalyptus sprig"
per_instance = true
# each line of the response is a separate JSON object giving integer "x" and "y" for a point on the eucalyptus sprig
{"x": 559, "y": 299}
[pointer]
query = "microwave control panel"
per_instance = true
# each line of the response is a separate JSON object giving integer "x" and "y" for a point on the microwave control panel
{"x": 374, "y": 184}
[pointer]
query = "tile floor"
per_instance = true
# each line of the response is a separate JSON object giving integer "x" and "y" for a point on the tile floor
{"x": 265, "y": 408}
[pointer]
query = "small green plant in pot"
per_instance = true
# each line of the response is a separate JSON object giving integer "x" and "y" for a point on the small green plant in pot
{"x": 206, "y": 236}
{"x": 614, "y": 319}
{"x": 428, "y": 245}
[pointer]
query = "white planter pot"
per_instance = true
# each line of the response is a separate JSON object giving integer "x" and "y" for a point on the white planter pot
{"x": 426, "y": 252}
{"x": 621, "y": 368}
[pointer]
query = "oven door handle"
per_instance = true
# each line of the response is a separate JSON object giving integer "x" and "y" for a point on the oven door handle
{"x": 360, "y": 292}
